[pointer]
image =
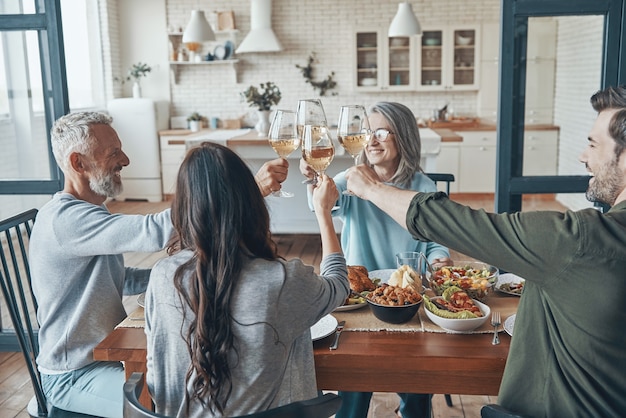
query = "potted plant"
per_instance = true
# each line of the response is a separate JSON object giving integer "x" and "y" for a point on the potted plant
{"x": 195, "y": 121}
{"x": 135, "y": 73}
{"x": 263, "y": 99}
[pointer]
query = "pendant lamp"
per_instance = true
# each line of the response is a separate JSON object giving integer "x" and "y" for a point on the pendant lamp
{"x": 198, "y": 29}
{"x": 405, "y": 22}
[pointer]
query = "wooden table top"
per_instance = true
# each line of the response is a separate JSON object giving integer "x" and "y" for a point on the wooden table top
{"x": 379, "y": 361}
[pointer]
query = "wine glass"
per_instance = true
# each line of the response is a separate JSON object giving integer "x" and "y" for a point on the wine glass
{"x": 310, "y": 112}
{"x": 283, "y": 138}
{"x": 354, "y": 131}
{"x": 317, "y": 148}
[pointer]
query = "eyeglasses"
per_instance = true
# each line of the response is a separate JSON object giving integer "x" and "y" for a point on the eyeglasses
{"x": 381, "y": 134}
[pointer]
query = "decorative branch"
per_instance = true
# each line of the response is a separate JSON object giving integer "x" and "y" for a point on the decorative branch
{"x": 324, "y": 85}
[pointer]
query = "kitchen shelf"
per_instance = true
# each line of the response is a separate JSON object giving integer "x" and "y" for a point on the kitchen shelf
{"x": 175, "y": 66}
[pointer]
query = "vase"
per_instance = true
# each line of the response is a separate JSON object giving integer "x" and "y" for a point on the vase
{"x": 194, "y": 125}
{"x": 263, "y": 125}
{"x": 136, "y": 90}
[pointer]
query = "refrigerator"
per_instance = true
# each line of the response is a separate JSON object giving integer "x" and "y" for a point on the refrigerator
{"x": 137, "y": 122}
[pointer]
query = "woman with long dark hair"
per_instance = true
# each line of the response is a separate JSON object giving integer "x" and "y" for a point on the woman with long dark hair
{"x": 227, "y": 319}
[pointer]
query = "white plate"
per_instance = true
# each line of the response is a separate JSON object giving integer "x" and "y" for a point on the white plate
{"x": 508, "y": 278}
{"x": 508, "y": 324}
{"x": 220, "y": 52}
{"x": 324, "y": 327}
{"x": 141, "y": 300}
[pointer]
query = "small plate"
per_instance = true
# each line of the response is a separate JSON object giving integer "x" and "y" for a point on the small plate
{"x": 141, "y": 300}
{"x": 324, "y": 327}
{"x": 508, "y": 324}
{"x": 508, "y": 278}
{"x": 229, "y": 47}
{"x": 383, "y": 275}
{"x": 220, "y": 52}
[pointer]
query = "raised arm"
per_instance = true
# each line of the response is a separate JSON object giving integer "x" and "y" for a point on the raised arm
{"x": 325, "y": 196}
{"x": 364, "y": 182}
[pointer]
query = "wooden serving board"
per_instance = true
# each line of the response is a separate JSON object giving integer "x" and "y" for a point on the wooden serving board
{"x": 455, "y": 123}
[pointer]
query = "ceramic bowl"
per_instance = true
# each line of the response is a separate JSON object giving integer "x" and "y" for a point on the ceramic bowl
{"x": 460, "y": 325}
{"x": 477, "y": 285}
{"x": 394, "y": 314}
{"x": 462, "y": 40}
{"x": 368, "y": 81}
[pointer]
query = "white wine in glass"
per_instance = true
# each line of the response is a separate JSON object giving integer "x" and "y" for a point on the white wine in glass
{"x": 284, "y": 139}
{"x": 353, "y": 130}
{"x": 310, "y": 112}
{"x": 317, "y": 148}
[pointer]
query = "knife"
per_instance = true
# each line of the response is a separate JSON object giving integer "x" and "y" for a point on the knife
{"x": 340, "y": 326}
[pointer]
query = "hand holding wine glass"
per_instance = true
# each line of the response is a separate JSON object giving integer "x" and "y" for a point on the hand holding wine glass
{"x": 283, "y": 139}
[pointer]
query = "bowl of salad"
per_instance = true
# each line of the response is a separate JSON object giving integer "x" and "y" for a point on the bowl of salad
{"x": 474, "y": 277}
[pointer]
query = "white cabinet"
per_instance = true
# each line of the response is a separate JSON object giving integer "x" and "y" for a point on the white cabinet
{"x": 540, "y": 71}
{"x": 383, "y": 63}
{"x": 477, "y": 162}
{"x": 173, "y": 151}
{"x": 449, "y": 58}
{"x": 540, "y": 153}
{"x": 448, "y": 162}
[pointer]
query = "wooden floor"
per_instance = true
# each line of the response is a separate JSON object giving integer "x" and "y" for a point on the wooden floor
{"x": 16, "y": 390}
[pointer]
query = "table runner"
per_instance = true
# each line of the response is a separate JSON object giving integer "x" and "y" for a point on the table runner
{"x": 364, "y": 320}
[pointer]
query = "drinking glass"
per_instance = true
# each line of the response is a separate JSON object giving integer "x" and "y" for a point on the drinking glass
{"x": 317, "y": 148}
{"x": 310, "y": 112}
{"x": 353, "y": 130}
{"x": 283, "y": 138}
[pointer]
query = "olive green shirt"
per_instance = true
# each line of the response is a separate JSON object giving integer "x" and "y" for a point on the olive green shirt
{"x": 568, "y": 352}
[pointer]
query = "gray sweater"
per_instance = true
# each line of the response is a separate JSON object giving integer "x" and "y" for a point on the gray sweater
{"x": 79, "y": 276}
{"x": 274, "y": 306}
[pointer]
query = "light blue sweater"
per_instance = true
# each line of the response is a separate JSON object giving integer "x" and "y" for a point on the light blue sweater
{"x": 372, "y": 238}
{"x": 77, "y": 266}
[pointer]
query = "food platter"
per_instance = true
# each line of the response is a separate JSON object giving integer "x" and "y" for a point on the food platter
{"x": 141, "y": 300}
{"x": 506, "y": 280}
{"x": 508, "y": 324}
{"x": 324, "y": 327}
{"x": 352, "y": 307}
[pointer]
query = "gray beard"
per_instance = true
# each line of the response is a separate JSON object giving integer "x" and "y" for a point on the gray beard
{"x": 104, "y": 184}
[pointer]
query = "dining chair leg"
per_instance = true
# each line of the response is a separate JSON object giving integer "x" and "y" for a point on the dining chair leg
{"x": 448, "y": 399}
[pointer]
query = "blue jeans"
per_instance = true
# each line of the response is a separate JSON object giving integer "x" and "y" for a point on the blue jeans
{"x": 357, "y": 404}
{"x": 96, "y": 389}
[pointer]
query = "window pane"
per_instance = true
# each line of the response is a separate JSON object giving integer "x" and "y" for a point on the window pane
{"x": 16, "y": 7}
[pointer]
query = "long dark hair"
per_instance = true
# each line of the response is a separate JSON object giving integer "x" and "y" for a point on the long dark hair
{"x": 220, "y": 215}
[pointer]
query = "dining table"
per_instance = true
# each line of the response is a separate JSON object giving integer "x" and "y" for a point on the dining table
{"x": 372, "y": 356}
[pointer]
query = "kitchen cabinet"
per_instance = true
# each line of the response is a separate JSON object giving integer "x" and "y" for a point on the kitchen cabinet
{"x": 449, "y": 58}
{"x": 448, "y": 162}
{"x": 383, "y": 63}
{"x": 477, "y": 155}
{"x": 540, "y": 72}
{"x": 173, "y": 149}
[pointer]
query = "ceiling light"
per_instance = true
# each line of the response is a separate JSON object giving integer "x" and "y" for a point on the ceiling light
{"x": 198, "y": 28}
{"x": 405, "y": 22}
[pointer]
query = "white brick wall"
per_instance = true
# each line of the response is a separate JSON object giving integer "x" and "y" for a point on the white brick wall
{"x": 326, "y": 27}
{"x": 573, "y": 113}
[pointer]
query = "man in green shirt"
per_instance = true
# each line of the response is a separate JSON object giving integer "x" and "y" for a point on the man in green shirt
{"x": 567, "y": 356}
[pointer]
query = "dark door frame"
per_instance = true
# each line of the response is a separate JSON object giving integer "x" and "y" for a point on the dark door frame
{"x": 510, "y": 183}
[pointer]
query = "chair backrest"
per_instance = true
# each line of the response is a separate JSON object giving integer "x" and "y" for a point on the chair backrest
{"x": 442, "y": 177}
{"x": 19, "y": 300}
{"x": 321, "y": 407}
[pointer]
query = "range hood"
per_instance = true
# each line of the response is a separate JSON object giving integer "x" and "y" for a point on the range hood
{"x": 261, "y": 37}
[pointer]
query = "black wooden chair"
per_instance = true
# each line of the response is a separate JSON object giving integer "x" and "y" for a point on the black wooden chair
{"x": 21, "y": 305}
{"x": 442, "y": 177}
{"x": 496, "y": 411}
{"x": 321, "y": 407}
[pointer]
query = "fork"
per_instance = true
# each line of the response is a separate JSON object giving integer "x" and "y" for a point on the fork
{"x": 495, "y": 323}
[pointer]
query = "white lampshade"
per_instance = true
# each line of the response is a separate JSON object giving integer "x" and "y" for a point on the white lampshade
{"x": 405, "y": 22}
{"x": 198, "y": 28}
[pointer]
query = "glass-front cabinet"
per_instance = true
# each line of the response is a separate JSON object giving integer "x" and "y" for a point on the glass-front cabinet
{"x": 449, "y": 58}
{"x": 383, "y": 63}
